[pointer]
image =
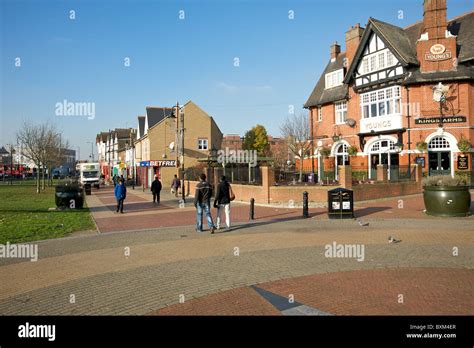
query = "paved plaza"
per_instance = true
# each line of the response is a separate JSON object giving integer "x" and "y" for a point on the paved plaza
{"x": 150, "y": 261}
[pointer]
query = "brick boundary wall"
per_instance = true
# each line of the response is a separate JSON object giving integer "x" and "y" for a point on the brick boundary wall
{"x": 269, "y": 193}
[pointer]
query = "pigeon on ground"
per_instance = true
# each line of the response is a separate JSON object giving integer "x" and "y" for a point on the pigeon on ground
{"x": 362, "y": 223}
{"x": 393, "y": 240}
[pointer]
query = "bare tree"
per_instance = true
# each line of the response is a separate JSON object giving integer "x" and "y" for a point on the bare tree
{"x": 296, "y": 131}
{"x": 42, "y": 145}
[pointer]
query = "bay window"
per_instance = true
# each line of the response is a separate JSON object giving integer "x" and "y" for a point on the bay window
{"x": 383, "y": 102}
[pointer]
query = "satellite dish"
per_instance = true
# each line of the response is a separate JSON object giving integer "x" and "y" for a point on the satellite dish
{"x": 172, "y": 145}
{"x": 350, "y": 122}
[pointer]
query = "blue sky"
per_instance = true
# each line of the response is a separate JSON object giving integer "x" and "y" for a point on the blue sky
{"x": 171, "y": 59}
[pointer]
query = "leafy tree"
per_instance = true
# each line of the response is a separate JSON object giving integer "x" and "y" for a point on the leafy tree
{"x": 256, "y": 139}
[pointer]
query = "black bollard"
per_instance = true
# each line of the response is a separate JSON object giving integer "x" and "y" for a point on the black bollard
{"x": 305, "y": 204}
{"x": 252, "y": 208}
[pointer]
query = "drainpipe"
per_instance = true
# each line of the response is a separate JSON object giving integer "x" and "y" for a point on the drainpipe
{"x": 409, "y": 131}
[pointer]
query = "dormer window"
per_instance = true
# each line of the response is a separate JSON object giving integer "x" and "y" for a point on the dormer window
{"x": 334, "y": 79}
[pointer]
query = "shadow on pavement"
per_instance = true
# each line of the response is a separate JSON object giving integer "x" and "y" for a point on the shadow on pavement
{"x": 369, "y": 211}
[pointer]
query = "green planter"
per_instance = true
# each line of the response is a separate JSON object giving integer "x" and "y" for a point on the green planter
{"x": 447, "y": 200}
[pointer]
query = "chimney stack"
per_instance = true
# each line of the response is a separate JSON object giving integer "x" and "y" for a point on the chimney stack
{"x": 353, "y": 37}
{"x": 436, "y": 47}
{"x": 434, "y": 18}
{"x": 335, "y": 50}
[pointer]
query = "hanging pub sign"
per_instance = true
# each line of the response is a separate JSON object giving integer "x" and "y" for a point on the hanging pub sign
{"x": 168, "y": 163}
{"x": 438, "y": 52}
{"x": 436, "y": 120}
{"x": 463, "y": 162}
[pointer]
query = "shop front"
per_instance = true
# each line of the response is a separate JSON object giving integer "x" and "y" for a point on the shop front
{"x": 147, "y": 171}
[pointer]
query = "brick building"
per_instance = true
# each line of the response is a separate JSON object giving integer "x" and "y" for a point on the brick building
{"x": 109, "y": 147}
{"x": 398, "y": 96}
{"x": 158, "y": 141}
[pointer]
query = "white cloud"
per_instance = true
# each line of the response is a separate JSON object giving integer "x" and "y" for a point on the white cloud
{"x": 227, "y": 88}
{"x": 253, "y": 89}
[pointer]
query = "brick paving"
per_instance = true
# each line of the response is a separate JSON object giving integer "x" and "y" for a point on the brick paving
{"x": 278, "y": 252}
{"x": 426, "y": 291}
{"x": 140, "y": 213}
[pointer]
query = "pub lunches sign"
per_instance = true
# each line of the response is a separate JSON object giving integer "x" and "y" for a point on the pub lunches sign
{"x": 438, "y": 52}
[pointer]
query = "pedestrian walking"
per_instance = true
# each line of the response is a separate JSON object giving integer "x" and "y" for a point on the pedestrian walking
{"x": 202, "y": 202}
{"x": 114, "y": 179}
{"x": 156, "y": 189}
{"x": 175, "y": 185}
{"x": 224, "y": 196}
{"x": 120, "y": 192}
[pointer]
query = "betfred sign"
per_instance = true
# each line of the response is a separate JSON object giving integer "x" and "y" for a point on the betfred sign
{"x": 381, "y": 123}
{"x": 161, "y": 163}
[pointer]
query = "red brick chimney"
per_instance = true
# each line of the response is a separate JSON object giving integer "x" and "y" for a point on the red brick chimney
{"x": 434, "y": 18}
{"x": 353, "y": 36}
{"x": 436, "y": 48}
{"x": 335, "y": 50}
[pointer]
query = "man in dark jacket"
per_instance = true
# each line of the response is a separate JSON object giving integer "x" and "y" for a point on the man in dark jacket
{"x": 175, "y": 185}
{"x": 222, "y": 202}
{"x": 156, "y": 189}
{"x": 120, "y": 192}
{"x": 202, "y": 202}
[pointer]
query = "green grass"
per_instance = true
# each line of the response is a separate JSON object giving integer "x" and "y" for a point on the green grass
{"x": 24, "y": 215}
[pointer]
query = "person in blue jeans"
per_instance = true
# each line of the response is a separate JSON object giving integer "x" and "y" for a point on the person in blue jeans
{"x": 202, "y": 202}
{"x": 120, "y": 192}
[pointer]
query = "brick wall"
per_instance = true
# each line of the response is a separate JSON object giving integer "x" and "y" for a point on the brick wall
{"x": 318, "y": 194}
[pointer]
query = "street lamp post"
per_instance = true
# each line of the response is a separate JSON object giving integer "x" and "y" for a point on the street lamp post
{"x": 183, "y": 195}
{"x": 92, "y": 150}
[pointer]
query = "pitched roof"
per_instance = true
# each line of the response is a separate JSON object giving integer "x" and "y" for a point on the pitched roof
{"x": 156, "y": 114}
{"x": 3, "y": 151}
{"x": 397, "y": 39}
{"x": 320, "y": 95}
{"x": 141, "y": 126}
{"x": 461, "y": 26}
{"x": 402, "y": 42}
{"x": 123, "y": 133}
{"x": 102, "y": 136}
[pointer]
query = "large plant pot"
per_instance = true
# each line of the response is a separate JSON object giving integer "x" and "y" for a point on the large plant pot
{"x": 447, "y": 200}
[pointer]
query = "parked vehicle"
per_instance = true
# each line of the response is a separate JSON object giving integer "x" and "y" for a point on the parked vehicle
{"x": 89, "y": 173}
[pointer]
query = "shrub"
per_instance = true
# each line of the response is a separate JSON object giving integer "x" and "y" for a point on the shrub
{"x": 464, "y": 145}
{"x": 325, "y": 151}
{"x": 352, "y": 151}
{"x": 422, "y": 146}
{"x": 444, "y": 180}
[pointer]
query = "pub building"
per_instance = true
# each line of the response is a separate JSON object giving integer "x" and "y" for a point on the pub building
{"x": 398, "y": 96}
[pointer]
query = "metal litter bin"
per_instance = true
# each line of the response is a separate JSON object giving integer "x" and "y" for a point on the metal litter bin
{"x": 340, "y": 204}
{"x": 69, "y": 196}
{"x": 88, "y": 189}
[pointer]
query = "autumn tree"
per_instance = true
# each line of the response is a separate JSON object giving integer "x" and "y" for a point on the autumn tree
{"x": 256, "y": 139}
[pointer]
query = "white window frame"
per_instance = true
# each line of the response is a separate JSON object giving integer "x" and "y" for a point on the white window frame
{"x": 377, "y": 61}
{"x": 334, "y": 78}
{"x": 340, "y": 110}
{"x": 320, "y": 114}
{"x": 203, "y": 144}
{"x": 378, "y": 100}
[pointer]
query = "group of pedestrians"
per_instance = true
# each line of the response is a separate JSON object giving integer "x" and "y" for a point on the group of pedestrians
{"x": 222, "y": 199}
{"x": 202, "y": 199}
